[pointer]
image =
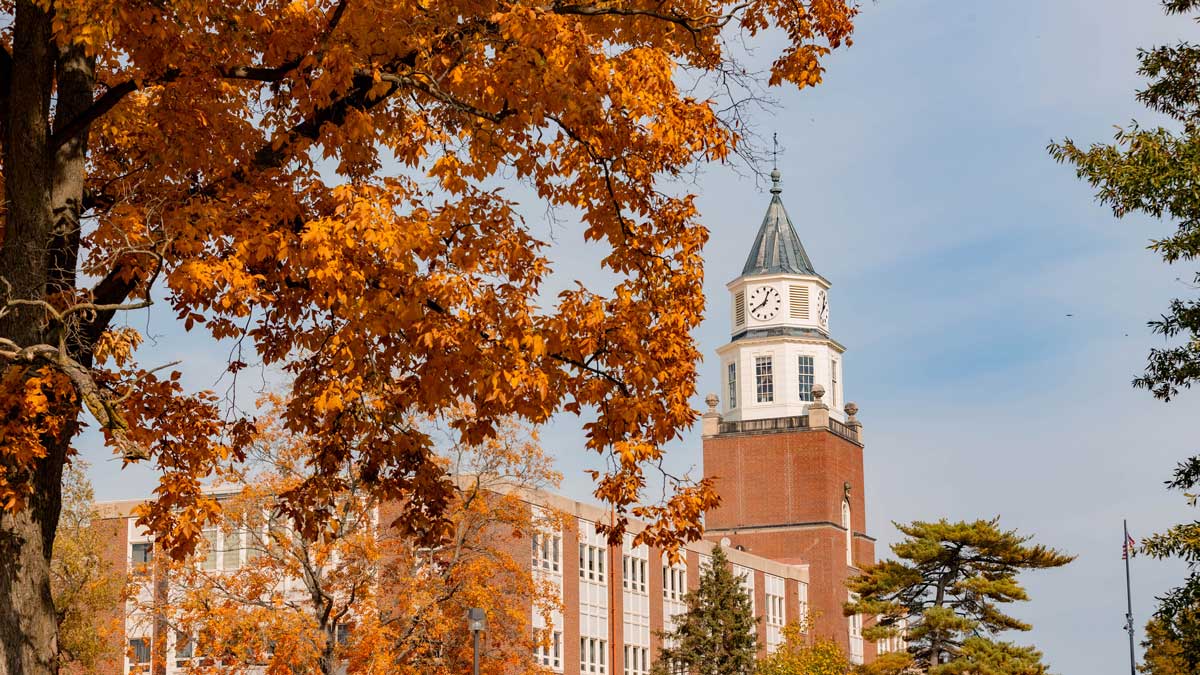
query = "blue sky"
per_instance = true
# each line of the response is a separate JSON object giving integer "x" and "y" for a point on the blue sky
{"x": 918, "y": 179}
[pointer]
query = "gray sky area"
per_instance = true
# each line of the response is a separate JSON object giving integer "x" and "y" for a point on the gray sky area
{"x": 994, "y": 314}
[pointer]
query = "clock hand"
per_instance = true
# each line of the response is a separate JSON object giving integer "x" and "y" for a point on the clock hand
{"x": 761, "y": 304}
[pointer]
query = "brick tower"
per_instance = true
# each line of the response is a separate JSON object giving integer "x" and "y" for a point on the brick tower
{"x": 785, "y": 449}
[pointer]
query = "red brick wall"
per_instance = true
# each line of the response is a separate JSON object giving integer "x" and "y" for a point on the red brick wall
{"x": 115, "y": 532}
{"x": 570, "y": 596}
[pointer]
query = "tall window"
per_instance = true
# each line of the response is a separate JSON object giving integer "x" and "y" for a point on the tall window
{"x": 637, "y": 660}
{"x": 591, "y": 562}
{"x": 732, "y": 385}
{"x": 549, "y": 653}
{"x": 592, "y": 655}
{"x": 634, "y": 574}
{"x": 139, "y": 649}
{"x": 806, "y": 378}
{"x": 764, "y": 379}
{"x": 833, "y": 374}
{"x": 546, "y": 551}
{"x": 183, "y": 649}
{"x": 856, "y": 637}
{"x": 849, "y": 533}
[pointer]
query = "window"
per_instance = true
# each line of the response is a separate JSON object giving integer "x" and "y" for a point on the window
{"x": 140, "y": 556}
{"x": 591, "y": 655}
{"x": 342, "y": 633}
{"x": 806, "y": 378}
{"x": 591, "y": 562}
{"x": 802, "y": 597}
{"x": 142, "y": 553}
{"x": 674, "y": 582}
{"x": 739, "y": 308}
{"x": 183, "y": 649}
{"x": 232, "y": 556}
{"x": 764, "y": 379}
{"x": 732, "y": 386}
{"x": 856, "y": 638}
{"x": 849, "y": 533}
{"x": 637, "y": 660}
{"x": 773, "y": 593}
{"x": 833, "y": 376}
{"x": 633, "y": 574}
{"x": 549, "y": 652}
{"x": 210, "y": 550}
{"x": 546, "y": 549}
{"x": 139, "y": 650}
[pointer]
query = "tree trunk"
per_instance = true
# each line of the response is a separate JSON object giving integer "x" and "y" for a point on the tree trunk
{"x": 43, "y": 189}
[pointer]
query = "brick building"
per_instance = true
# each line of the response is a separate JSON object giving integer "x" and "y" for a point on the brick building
{"x": 786, "y": 452}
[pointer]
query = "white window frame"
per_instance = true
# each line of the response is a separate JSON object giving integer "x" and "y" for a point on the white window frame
{"x": 806, "y": 376}
{"x": 732, "y": 383}
{"x": 764, "y": 378}
{"x": 593, "y": 656}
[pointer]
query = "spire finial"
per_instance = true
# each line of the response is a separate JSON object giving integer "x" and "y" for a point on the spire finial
{"x": 775, "y": 188}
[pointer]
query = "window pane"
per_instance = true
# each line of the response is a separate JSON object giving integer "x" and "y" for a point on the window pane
{"x": 806, "y": 378}
{"x": 232, "y": 558}
{"x": 733, "y": 385}
{"x": 764, "y": 379}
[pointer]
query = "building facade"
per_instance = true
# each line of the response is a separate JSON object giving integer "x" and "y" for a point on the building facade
{"x": 785, "y": 450}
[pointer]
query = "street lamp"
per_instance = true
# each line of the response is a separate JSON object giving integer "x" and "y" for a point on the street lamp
{"x": 477, "y": 622}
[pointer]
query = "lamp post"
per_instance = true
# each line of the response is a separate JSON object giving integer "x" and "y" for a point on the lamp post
{"x": 477, "y": 622}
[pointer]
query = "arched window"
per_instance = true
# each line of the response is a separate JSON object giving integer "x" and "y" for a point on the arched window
{"x": 849, "y": 532}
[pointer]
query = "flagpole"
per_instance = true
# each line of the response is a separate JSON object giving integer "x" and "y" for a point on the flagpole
{"x": 1128, "y": 598}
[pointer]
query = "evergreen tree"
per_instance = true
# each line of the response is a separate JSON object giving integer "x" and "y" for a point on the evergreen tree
{"x": 944, "y": 595}
{"x": 718, "y": 633}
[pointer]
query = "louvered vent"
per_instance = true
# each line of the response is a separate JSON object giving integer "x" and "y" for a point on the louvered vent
{"x": 799, "y": 301}
{"x": 739, "y": 308}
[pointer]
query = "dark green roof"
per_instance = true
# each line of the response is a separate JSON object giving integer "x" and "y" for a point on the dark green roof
{"x": 777, "y": 248}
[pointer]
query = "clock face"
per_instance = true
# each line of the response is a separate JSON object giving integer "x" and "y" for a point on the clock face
{"x": 823, "y": 308}
{"x": 765, "y": 302}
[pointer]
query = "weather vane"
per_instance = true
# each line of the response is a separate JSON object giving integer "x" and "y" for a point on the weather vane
{"x": 775, "y": 150}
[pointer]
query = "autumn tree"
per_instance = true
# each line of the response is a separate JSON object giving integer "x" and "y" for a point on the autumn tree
{"x": 89, "y": 590}
{"x": 262, "y": 596}
{"x": 717, "y": 633}
{"x": 1154, "y": 171}
{"x": 317, "y": 181}
{"x": 944, "y": 594}
{"x": 1177, "y": 617}
{"x": 1164, "y": 654}
{"x": 800, "y": 654}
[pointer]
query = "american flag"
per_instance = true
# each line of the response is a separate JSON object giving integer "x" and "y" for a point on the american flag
{"x": 1129, "y": 549}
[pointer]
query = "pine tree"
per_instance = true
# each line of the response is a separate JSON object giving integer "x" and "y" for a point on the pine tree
{"x": 944, "y": 595}
{"x": 718, "y": 633}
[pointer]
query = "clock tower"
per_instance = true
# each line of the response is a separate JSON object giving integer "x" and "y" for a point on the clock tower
{"x": 785, "y": 449}
{"x": 780, "y": 348}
